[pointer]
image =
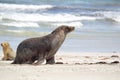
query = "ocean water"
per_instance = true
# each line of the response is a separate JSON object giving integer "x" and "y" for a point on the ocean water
{"x": 97, "y": 22}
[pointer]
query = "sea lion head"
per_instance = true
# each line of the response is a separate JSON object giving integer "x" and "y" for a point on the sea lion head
{"x": 5, "y": 44}
{"x": 64, "y": 28}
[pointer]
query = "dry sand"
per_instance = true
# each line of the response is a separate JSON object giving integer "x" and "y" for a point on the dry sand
{"x": 74, "y": 67}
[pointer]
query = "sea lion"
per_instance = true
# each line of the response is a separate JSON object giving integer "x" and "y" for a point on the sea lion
{"x": 42, "y": 48}
{"x": 8, "y": 52}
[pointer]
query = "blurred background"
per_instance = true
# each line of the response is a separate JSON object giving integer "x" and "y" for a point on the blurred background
{"x": 97, "y": 23}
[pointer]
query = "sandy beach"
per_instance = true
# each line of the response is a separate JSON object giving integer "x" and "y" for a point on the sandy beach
{"x": 90, "y": 52}
{"x": 70, "y": 67}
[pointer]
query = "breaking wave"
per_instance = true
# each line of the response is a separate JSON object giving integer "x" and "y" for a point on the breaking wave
{"x": 22, "y": 7}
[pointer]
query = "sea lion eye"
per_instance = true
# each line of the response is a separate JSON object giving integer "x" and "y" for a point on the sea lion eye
{"x": 67, "y": 29}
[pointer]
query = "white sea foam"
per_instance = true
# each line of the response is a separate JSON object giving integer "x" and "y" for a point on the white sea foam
{"x": 76, "y": 24}
{"x": 21, "y": 24}
{"x": 117, "y": 19}
{"x": 113, "y": 16}
{"x": 45, "y": 17}
{"x": 23, "y": 7}
{"x": 16, "y": 31}
{"x": 25, "y": 33}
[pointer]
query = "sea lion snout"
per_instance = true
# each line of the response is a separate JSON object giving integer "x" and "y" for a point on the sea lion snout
{"x": 72, "y": 28}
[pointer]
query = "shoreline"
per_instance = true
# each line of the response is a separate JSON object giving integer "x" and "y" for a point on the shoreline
{"x": 74, "y": 66}
{"x": 82, "y": 58}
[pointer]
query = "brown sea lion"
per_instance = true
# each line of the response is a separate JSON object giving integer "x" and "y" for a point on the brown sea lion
{"x": 8, "y": 52}
{"x": 42, "y": 48}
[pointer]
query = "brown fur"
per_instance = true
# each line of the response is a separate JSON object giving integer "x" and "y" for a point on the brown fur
{"x": 41, "y": 48}
{"x": 9, "y": 54}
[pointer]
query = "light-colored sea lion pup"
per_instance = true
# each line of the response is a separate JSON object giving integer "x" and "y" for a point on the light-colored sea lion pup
{"x": 8, "y": 52}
